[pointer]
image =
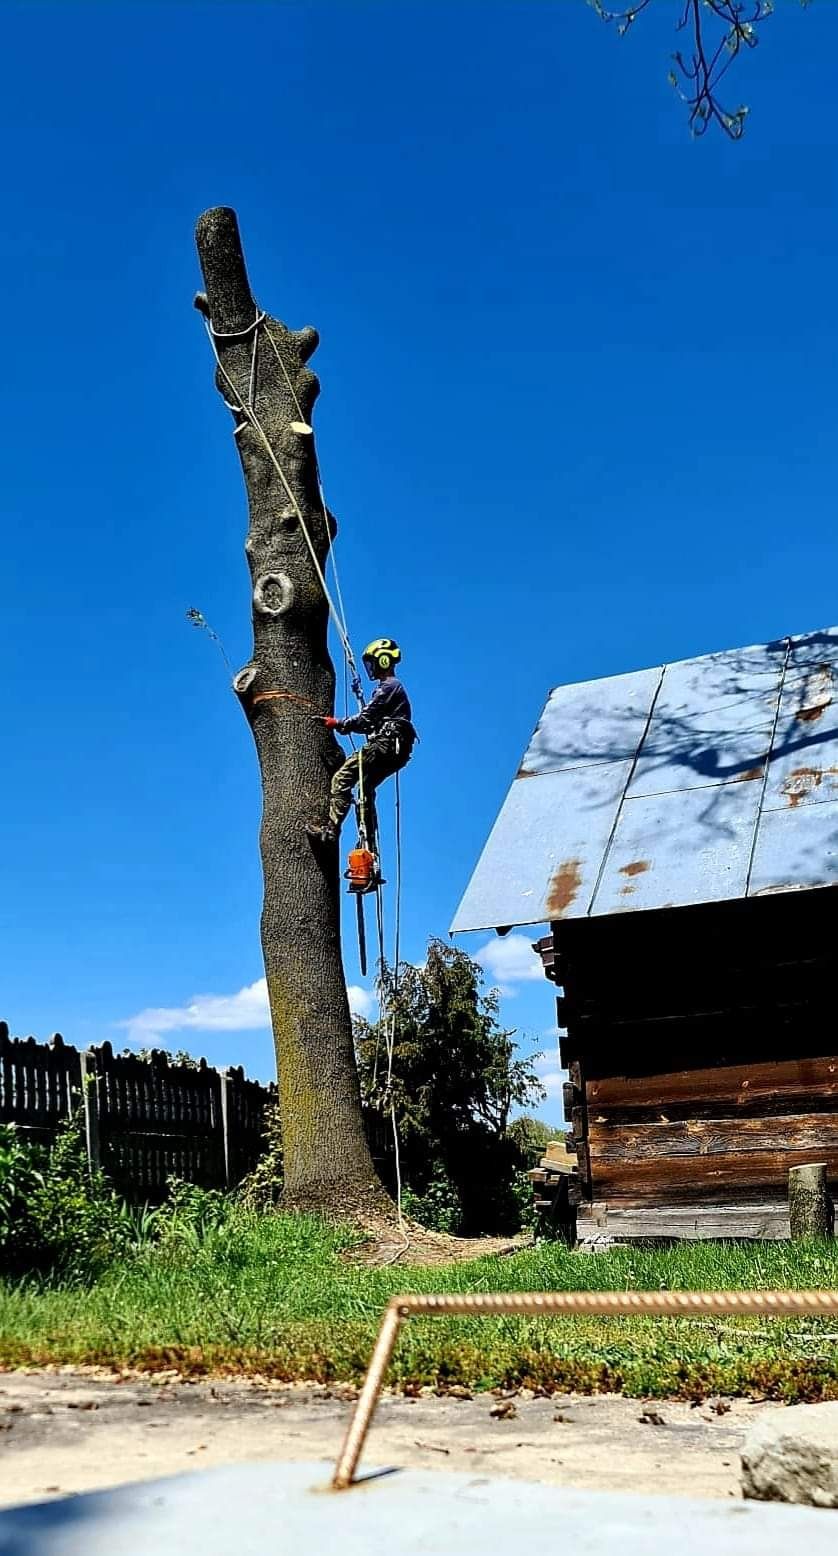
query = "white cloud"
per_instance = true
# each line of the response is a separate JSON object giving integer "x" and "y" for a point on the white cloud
{"x": 553, "y": 1081}
{"x": 508, "y": 960}
{"x": 361, "y": 1001}
{"x": 245, "y": 1011}
{"x": 547, "y": 1068}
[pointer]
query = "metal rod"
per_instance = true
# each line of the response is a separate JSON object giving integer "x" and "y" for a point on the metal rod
{"x": 363, "y": 1413}
{"x": 599, "y": 1303}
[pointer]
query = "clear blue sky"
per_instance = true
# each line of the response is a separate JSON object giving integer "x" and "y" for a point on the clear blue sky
{"x": 578, "y": 416}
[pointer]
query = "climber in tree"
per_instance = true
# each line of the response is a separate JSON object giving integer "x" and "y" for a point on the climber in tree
{"x": 387, "y": 724}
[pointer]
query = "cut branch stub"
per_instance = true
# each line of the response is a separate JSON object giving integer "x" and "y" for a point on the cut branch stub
{"x": 273, "y": 594}
{"x": 243, "y": 682}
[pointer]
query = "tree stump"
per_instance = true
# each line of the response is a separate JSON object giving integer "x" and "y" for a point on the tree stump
{"x": 810, "y": 1207}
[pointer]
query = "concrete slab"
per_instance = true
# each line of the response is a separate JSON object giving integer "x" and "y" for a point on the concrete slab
{"x": 254, "y": 1508}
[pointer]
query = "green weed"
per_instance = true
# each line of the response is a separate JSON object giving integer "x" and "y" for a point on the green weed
{"x": 222, "y": 1288}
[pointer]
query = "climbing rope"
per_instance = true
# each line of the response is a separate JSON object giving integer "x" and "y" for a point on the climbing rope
{"x": 387, "y": 1002}
{"x": 349, "y": 663}
{"x": 391, "y": 1036}
{"x": 247, "y": 408}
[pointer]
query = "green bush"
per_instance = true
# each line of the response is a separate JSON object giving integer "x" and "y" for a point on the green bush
{"x": 439, "y": 1207}
{"x": 456, "y": 1077}
{"x": 531, "y": 1136}
{"x": 188, "y": 1216}
{"x": 21, "y": 1174}
{"x": 261, "y": 1189}
{"x": 523, "y": 1194}
{"x": 56, "y": 1216}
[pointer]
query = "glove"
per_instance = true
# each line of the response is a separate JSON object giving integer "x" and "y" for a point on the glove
{"x": 332, "y": 723}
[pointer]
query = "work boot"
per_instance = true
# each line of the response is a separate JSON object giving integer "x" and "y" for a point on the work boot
{"x": 320, "y": 833}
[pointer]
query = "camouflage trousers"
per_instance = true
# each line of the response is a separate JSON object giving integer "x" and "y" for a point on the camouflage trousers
{"x": 382, "y": 756}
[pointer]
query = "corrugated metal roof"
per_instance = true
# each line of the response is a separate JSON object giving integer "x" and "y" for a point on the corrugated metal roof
{"x": 709, "y": 779}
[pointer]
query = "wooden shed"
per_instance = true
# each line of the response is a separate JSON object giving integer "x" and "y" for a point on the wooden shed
{"x": 677, "y": 829}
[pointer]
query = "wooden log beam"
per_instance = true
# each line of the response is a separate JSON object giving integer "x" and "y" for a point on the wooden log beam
{"x": 703, "y": 1139}
{"x": 689, "y": 1223}
{"x": 753, "y": 1175}
{"x": 784, "y": 1086}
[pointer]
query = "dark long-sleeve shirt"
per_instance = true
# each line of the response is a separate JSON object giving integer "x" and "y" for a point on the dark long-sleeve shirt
{"x": 389, "y": 704}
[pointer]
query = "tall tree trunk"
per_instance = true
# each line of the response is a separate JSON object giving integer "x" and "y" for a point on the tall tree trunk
{"x": 327, "y": 1159}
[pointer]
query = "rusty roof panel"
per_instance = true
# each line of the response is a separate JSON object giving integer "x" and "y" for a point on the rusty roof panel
{"x": 735, "y": 680}
{"x": 700, "y": 762}
{"x": 730, "y": 717}
{"x": 808, "y": 692}
{"x": 645, "y": 866}
{"x": 814, "y": 648}
{"x": 804, "y": 762}
{"x": 595, "y": 721}
{"x": 650, "y": 790}
{"x": 796, "y": 848}
{"x": 551, "y": 833}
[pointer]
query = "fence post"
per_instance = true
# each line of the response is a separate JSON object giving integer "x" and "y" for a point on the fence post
{"x": 227, "y": 1122}
{"x": 810, "y": 1207}
{"x": 90, "y": 1100}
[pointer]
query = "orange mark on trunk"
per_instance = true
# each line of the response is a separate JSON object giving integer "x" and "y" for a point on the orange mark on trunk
{"x": 637, "y": 867}
{"x": 564, "y": 888}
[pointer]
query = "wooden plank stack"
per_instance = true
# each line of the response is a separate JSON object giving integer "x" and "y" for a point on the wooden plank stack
{"x": 557, "y": 1192}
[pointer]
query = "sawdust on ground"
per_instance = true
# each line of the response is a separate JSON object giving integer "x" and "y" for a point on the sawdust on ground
{"x": 414, "y": 1244}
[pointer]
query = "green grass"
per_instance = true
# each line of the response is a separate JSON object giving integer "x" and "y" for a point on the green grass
{"x": 275, "y": 1295}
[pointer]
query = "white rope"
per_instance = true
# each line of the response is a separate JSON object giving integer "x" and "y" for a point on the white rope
{"x": 238, "y": 334}
{"x": 248, "y": 410}
{"x": 332, "y": 557}
{"x": 397, "y": 951}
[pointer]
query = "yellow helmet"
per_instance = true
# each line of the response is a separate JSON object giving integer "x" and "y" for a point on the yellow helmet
{"x": 382, "y": 654}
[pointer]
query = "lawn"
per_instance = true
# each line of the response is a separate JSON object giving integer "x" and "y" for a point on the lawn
{"x": 280, "y": 1296}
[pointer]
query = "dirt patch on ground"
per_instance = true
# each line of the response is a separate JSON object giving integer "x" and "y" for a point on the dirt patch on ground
{"x": 416, "y": 1245}
{"x": 67, "y": 1431}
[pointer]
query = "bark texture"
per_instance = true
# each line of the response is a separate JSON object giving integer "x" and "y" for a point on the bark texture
{"x": 810, "y": 1207}
{"x": 327, "y": 1160}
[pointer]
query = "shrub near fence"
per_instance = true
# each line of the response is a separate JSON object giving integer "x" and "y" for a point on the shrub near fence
{"x": 146, "y": 1120}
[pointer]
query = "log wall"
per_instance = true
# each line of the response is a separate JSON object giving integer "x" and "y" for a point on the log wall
{"x": 702, "y": 1055}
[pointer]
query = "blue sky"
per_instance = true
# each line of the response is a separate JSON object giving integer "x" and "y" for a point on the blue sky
{"x": 578, "y": 416}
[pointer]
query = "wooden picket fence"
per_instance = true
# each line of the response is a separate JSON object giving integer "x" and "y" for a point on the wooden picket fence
{"x": 145, "y": 1120}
